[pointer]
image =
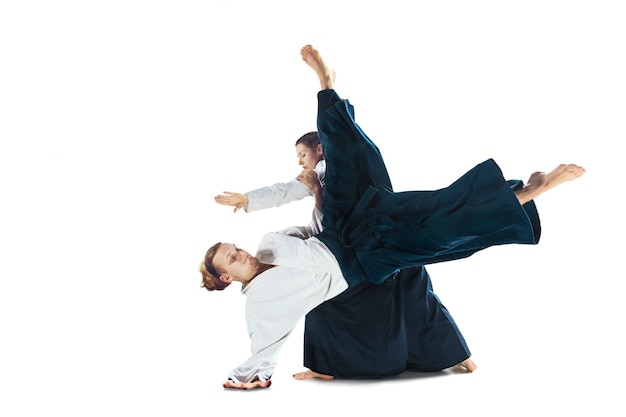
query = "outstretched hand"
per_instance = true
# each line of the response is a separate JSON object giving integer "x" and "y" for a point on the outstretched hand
{"x": 232, "y": 199}
{"x": 248, "y": 385}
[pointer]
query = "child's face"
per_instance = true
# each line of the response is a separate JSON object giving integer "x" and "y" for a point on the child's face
{"x": 308, "y": 157}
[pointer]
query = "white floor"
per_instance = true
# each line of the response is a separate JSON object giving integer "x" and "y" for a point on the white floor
{"x": 120, "y": 122}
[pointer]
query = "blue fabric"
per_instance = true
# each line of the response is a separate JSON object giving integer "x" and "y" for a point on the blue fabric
{"x": 390, "y": 320}
{"x": 380, "y": 330}
{"x": 374, "y": 232}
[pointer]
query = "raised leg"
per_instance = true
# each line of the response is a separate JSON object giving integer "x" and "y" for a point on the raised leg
{"x": 313, "y": 58}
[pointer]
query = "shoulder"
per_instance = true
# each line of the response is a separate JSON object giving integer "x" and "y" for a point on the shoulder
{"x": 276, "y": 245}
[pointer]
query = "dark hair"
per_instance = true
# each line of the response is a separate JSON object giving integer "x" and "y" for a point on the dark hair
{"x": 310, "y": 140}
{"x": 210, "y": 277}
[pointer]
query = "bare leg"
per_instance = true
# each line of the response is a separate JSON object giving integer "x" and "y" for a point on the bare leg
{"x": 467, "y": 365}
{"x": 313, "y": 59}
{"x": 540, "y": 182}
{"x": 308, "y": 374}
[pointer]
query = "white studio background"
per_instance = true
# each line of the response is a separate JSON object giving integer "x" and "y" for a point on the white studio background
{"x": 120, "y": 120}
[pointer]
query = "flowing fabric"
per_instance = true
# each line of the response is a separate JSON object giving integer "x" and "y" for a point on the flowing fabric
{"x": 375, "y": 232}
{"x": 380, "y": 330}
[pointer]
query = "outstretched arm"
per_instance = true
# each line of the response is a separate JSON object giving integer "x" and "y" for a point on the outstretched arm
{"x": 266, "y": 197}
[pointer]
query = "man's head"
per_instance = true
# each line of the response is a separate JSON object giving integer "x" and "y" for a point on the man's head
{"x": 225, "y": 263}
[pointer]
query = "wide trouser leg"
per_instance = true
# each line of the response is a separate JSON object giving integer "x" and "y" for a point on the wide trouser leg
{"x": 353, "y": 161}
{"x": 434, "y": 341}
{"x": 418, "y": 228}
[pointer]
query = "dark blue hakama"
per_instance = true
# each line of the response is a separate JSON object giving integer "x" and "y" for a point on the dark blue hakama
{"x": 374, "y": 232}
{"x": 380, "y": 326}
{"x": 380, "y": 330}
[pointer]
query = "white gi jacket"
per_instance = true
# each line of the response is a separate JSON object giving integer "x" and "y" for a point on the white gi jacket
{"x": 306, "y": 275}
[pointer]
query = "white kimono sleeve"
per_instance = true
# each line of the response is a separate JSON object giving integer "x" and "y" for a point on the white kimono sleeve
{"x": 276, "y": 195}
{"x": 269, "y": 325}
{"x": 276, "y": 301}
{"x": 305, "y": 232}
{"x": 282, "y": 193}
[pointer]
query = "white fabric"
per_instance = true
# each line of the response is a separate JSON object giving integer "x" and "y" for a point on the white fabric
{"x": 306, "y": 275}
{"x": 285, "y": 192}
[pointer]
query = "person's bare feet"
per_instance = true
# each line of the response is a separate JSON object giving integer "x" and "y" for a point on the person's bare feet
{"x": 467, "y": 365}
{"x": 313, "y": 59}
{"x": 308, "y": 374}
{"x": 540, "y": 182}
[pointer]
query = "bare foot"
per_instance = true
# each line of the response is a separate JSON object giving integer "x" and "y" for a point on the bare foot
{"x": 539, "y": 182}
{"x": 308, "y": 374}
{"x": 467, "y": 365}
{"x": 314, "y": 60}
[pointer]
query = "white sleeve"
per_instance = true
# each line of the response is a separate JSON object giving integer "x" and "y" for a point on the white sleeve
{"x": 276, "y": 195}
{"x": 275, "y": 305}
{"x": 305, "y": 232}
{"x": 268, "y": 329}
{"x": 261, "y": 364}
{"x": 289, "y": 251}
